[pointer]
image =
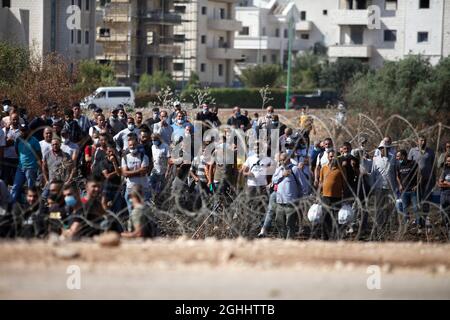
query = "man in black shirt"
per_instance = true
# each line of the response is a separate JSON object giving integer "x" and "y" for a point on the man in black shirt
{"x": 237, "y": 120}
{"x": 444, "y": 184}
{"x": 208, "y": 119}
{"x": 407, "y": 179}
{"x": 38, "y": 124}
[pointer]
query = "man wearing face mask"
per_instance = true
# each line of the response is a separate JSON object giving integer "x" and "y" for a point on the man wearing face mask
{"x": 68, "y": 146}
{"x": 322, "y": 159}
{"x": 208, "y": 119}
{"x": 121, "y": 139}
{"x": 237, "y": 120}
{"x": 179, "y": 126}
{"x": 266, "y": 121}
{"x": 282, "y": 141}
{"x": 135, "y": 167}
{"x": 163, "y": 128}
{"x": 8, "y": 111}
{"x": 38, "y": 124}
{"x": 173, "y": 115}
{"x": 115, "y": 123}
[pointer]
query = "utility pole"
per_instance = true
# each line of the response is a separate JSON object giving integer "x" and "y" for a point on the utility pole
{"x": 288, "y": 84}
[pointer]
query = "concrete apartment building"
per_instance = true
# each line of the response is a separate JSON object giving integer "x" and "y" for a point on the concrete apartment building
{"x": 348, "y": 29}
{"x": 207, "y": 41}
{"x": 264, "y": 36}
{"x": 43, "y": 26}
{"x": 136, "y": 36}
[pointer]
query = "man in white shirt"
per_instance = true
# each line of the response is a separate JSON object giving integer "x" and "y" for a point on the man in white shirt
{"x": 10, "y": 158}
{"x": 46, "y": 144}
{"x": 68, "y": 146}
{"x": 135, "y": 165}
{"x": 121, "y": 139}
{"x": 257, "y": 168}
{"x": 322, "y": 159}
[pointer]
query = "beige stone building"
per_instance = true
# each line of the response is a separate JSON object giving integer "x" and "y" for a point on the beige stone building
{"x": 136, "y": 36}
{"x": 207, "y": 41}
{"x": 63, "y": 26}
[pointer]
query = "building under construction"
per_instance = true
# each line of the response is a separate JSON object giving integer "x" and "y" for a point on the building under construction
{"x": 136, "y": 37}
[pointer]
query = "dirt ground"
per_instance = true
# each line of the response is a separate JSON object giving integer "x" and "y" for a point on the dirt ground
{"x": 227, "y": 269}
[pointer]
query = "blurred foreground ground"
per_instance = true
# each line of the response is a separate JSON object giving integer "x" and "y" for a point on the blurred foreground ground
{"x": 231, "y": 269}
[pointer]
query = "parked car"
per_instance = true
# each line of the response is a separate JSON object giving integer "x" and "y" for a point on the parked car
{"x": 319, "y": 99}
{"x": 110, "y": 97}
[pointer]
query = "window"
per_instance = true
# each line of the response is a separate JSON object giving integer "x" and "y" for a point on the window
{"x": 86, "y": 37}
{"x": 302, "y": 15}
{"x": 6, "y": 4}
{"x": 178, "y": 66}
{"x": 277, "y": 32}
{"x": 79, "y": 4}
{"x": 422, "y": 37}
{"x": 203, "y": 39}
{"x": 264, "y": 31}
{"x": 304, "y": 36}
{"x": 72, "y": 36}
{"x": 88, "y": 5}
{"x": 73, "y": 2}
{"x": 104, "y": 32}
{"x": 118, "y": 94}
{"x": 220, "y": 70}
{"x": 390, "y": 35}
{"x": 424, "y": 4}
{"x": 179, "y": 38}
{"x": 202, "y": 67}
{"x": 222, "y": 13}
{"x": 180, "y": 9}
{"x": 286, "y": 33}
{"x": 150, "y": 38}
{"x": 204, "y": 10}
{"x": 79, "y": 36}
{"x": 264, "y": 59}
{"x": 245, "y": 31}
{"x": 325, "y": 12}
{"x": 274, "y": 58}
{"x": 391, "y": 5}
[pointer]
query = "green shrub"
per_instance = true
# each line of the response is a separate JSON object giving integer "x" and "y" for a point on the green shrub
{"x": 142, "y": 99}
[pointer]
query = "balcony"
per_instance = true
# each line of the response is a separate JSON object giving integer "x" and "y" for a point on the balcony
{"x": 226, "y": 1}
{"x": 223, "y": 54}
{"x": 351, "y": 17}
{"x": 110, "y": 17}
{"x": 163, "y": 50}
{"x": 303, "y": 26}
{"x": 113, "y": 57}
{"x": 224, "y": 24}
{"x": 263, "y": 43}
{"x": 350, "y": 51}
{"x": 113, "y": 38}
{"x": 160, "y": 17}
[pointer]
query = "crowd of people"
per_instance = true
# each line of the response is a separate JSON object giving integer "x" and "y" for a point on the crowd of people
{"x": 78, "y": 176}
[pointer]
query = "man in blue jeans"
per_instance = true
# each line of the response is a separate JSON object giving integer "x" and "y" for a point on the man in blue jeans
{"x": 407, "y": 180}
{"x": 29, "y": 151}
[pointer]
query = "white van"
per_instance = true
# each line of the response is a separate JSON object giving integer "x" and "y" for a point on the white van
{"x": 110, "y": 97}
